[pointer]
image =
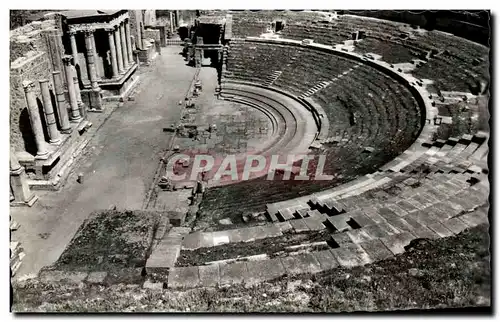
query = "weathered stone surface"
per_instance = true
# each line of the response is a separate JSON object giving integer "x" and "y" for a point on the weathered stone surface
{"x": 347, "y": 257}
{"x": 360, "y": 218}
{"x": 405, "y": 205}
{"x": 440, "y": 230}
{"x": 72, "y": 277}
{"x": 183, "y": 277}
{"x": 339, "y": 222}
{"x": 209, "y": 275}
{"x": 397, "y": 210}
{"x": 423, "y": 217}
{"x": 163, "y": 256}
{"x": 301, "y": 263}
{"x": 359, "y": 235}
{"x": 234, "y": 273}
{"x": 396, "y": 243}
{"x": 96, "y": 277}
{"x": 314, "y": 223}
{"x": 271, "y": 231}
{"x": 377, "y": 231}
{"x": 152, "y": 286}
{"x": 220, "y": 237}
{"x": 284, "y": 226}
{"x": 455, "y": 225}
{"x": 326, "y": 259}
{"x": 475, "y": 218}
{"x": 424, "y": 232}
{"x": 299, "y": 225}
{"x": 376, "y": 250}
{"x": 371, "y": 212}
{"x": 342, "y": 238}
{"x": 264, "y": 270}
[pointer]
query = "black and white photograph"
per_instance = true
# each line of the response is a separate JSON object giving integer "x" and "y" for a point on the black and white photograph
{"x": 250, "y": 161}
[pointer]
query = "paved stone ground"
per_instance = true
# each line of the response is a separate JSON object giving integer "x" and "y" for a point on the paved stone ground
{"x": 118, "y": 164}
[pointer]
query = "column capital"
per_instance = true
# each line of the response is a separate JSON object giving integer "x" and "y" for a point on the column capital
{"x": 110, "y": 29}
{"x": 43, "y": 80}
{"x": 28, "y": 85}
{"x": 72, "y": 32}
{"x": 67, "y": 60}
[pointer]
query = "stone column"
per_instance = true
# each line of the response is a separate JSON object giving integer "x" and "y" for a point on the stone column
{"x": 126, "y": 63}
{"x": 91, "y": 68}
{"x": 35, "y": 120}
{"x": 96, "y": 58}
{"x": 62, "y": 111}
{"x": 112, "y": 51}
{"x": 171, "y": 24}
{"x": 74, "y": 50}
{"x": 118, "y": 44}
{"x": 75, "y": 111}
{"x": 78, "y": 94}
{"x": 54, "y": 135}
{"x": 129, "y": 42}
{"x": 18, "y": 182}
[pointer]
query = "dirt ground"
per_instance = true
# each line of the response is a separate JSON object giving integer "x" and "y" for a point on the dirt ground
{"x": 118, "y": 164}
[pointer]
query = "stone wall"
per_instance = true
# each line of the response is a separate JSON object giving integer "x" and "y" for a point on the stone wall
{"x": 32, "y": 66}
{"x": 150, "y": 17}
{"x": 36, "y": 51}
{"x": 136, "y": 22}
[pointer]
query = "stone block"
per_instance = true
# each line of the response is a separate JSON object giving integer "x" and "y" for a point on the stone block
{"x": 424, "y": 232}
{"x": 234, "y": 273}
{"x": 351, "y": 255}
{"x": 384, "y": 211}
{"x": 271, "y": 231}
{"x": 299, "y": 225}
{"x": 264, "y": 270}
{"x": 326, "y": 259}
{"x": 220, "y": 237}
{"x": 284, "y": 226}
{"x": 475, "y": 218}
{"x": 397, "y": 210}
{"x": 183, "y": 277}
{"x": 376, "y": 250}
{"x": 467, "y": 203}
{"x": 359, "y": 236}
{"x": 407, "y": 206}
{"x": 96, "y": 277}
{"x": 342, "y": 239}
{"x": 361, "y": 219}
{"x": 314, "y": 223}
{"x": 71, "y": 277}
{"x": 377, "y": 231}
{"x": 455, "y": 225}
{"x": 152, "y": 286}
{"x": 396, "y": 243}
{"x": 209, "y": 275}
{"x": 192, "y": 241}
{"x": 423, "y": 217}
{"x": 440, "y": 230}
{"x": 163, "y": 256}
{"x": 371, "y": 212}
{"x": 301, "y": 263}
{"x": 339, "y": 222}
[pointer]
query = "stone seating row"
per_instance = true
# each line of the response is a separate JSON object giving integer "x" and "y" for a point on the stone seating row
{"x": 356, "y": 247}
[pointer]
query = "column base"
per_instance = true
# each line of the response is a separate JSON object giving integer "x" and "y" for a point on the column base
{"x": 67, "y": 131}
{"x": 55, "y": 142}
{"x": 27, "y": 203}
{"x": 76, "y": 120}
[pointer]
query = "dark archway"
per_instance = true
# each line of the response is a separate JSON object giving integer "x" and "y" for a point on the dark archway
{"x": 27, "y": 132}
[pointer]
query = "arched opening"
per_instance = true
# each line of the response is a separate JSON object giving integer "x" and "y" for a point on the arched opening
{"x": 27, "y": 132}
